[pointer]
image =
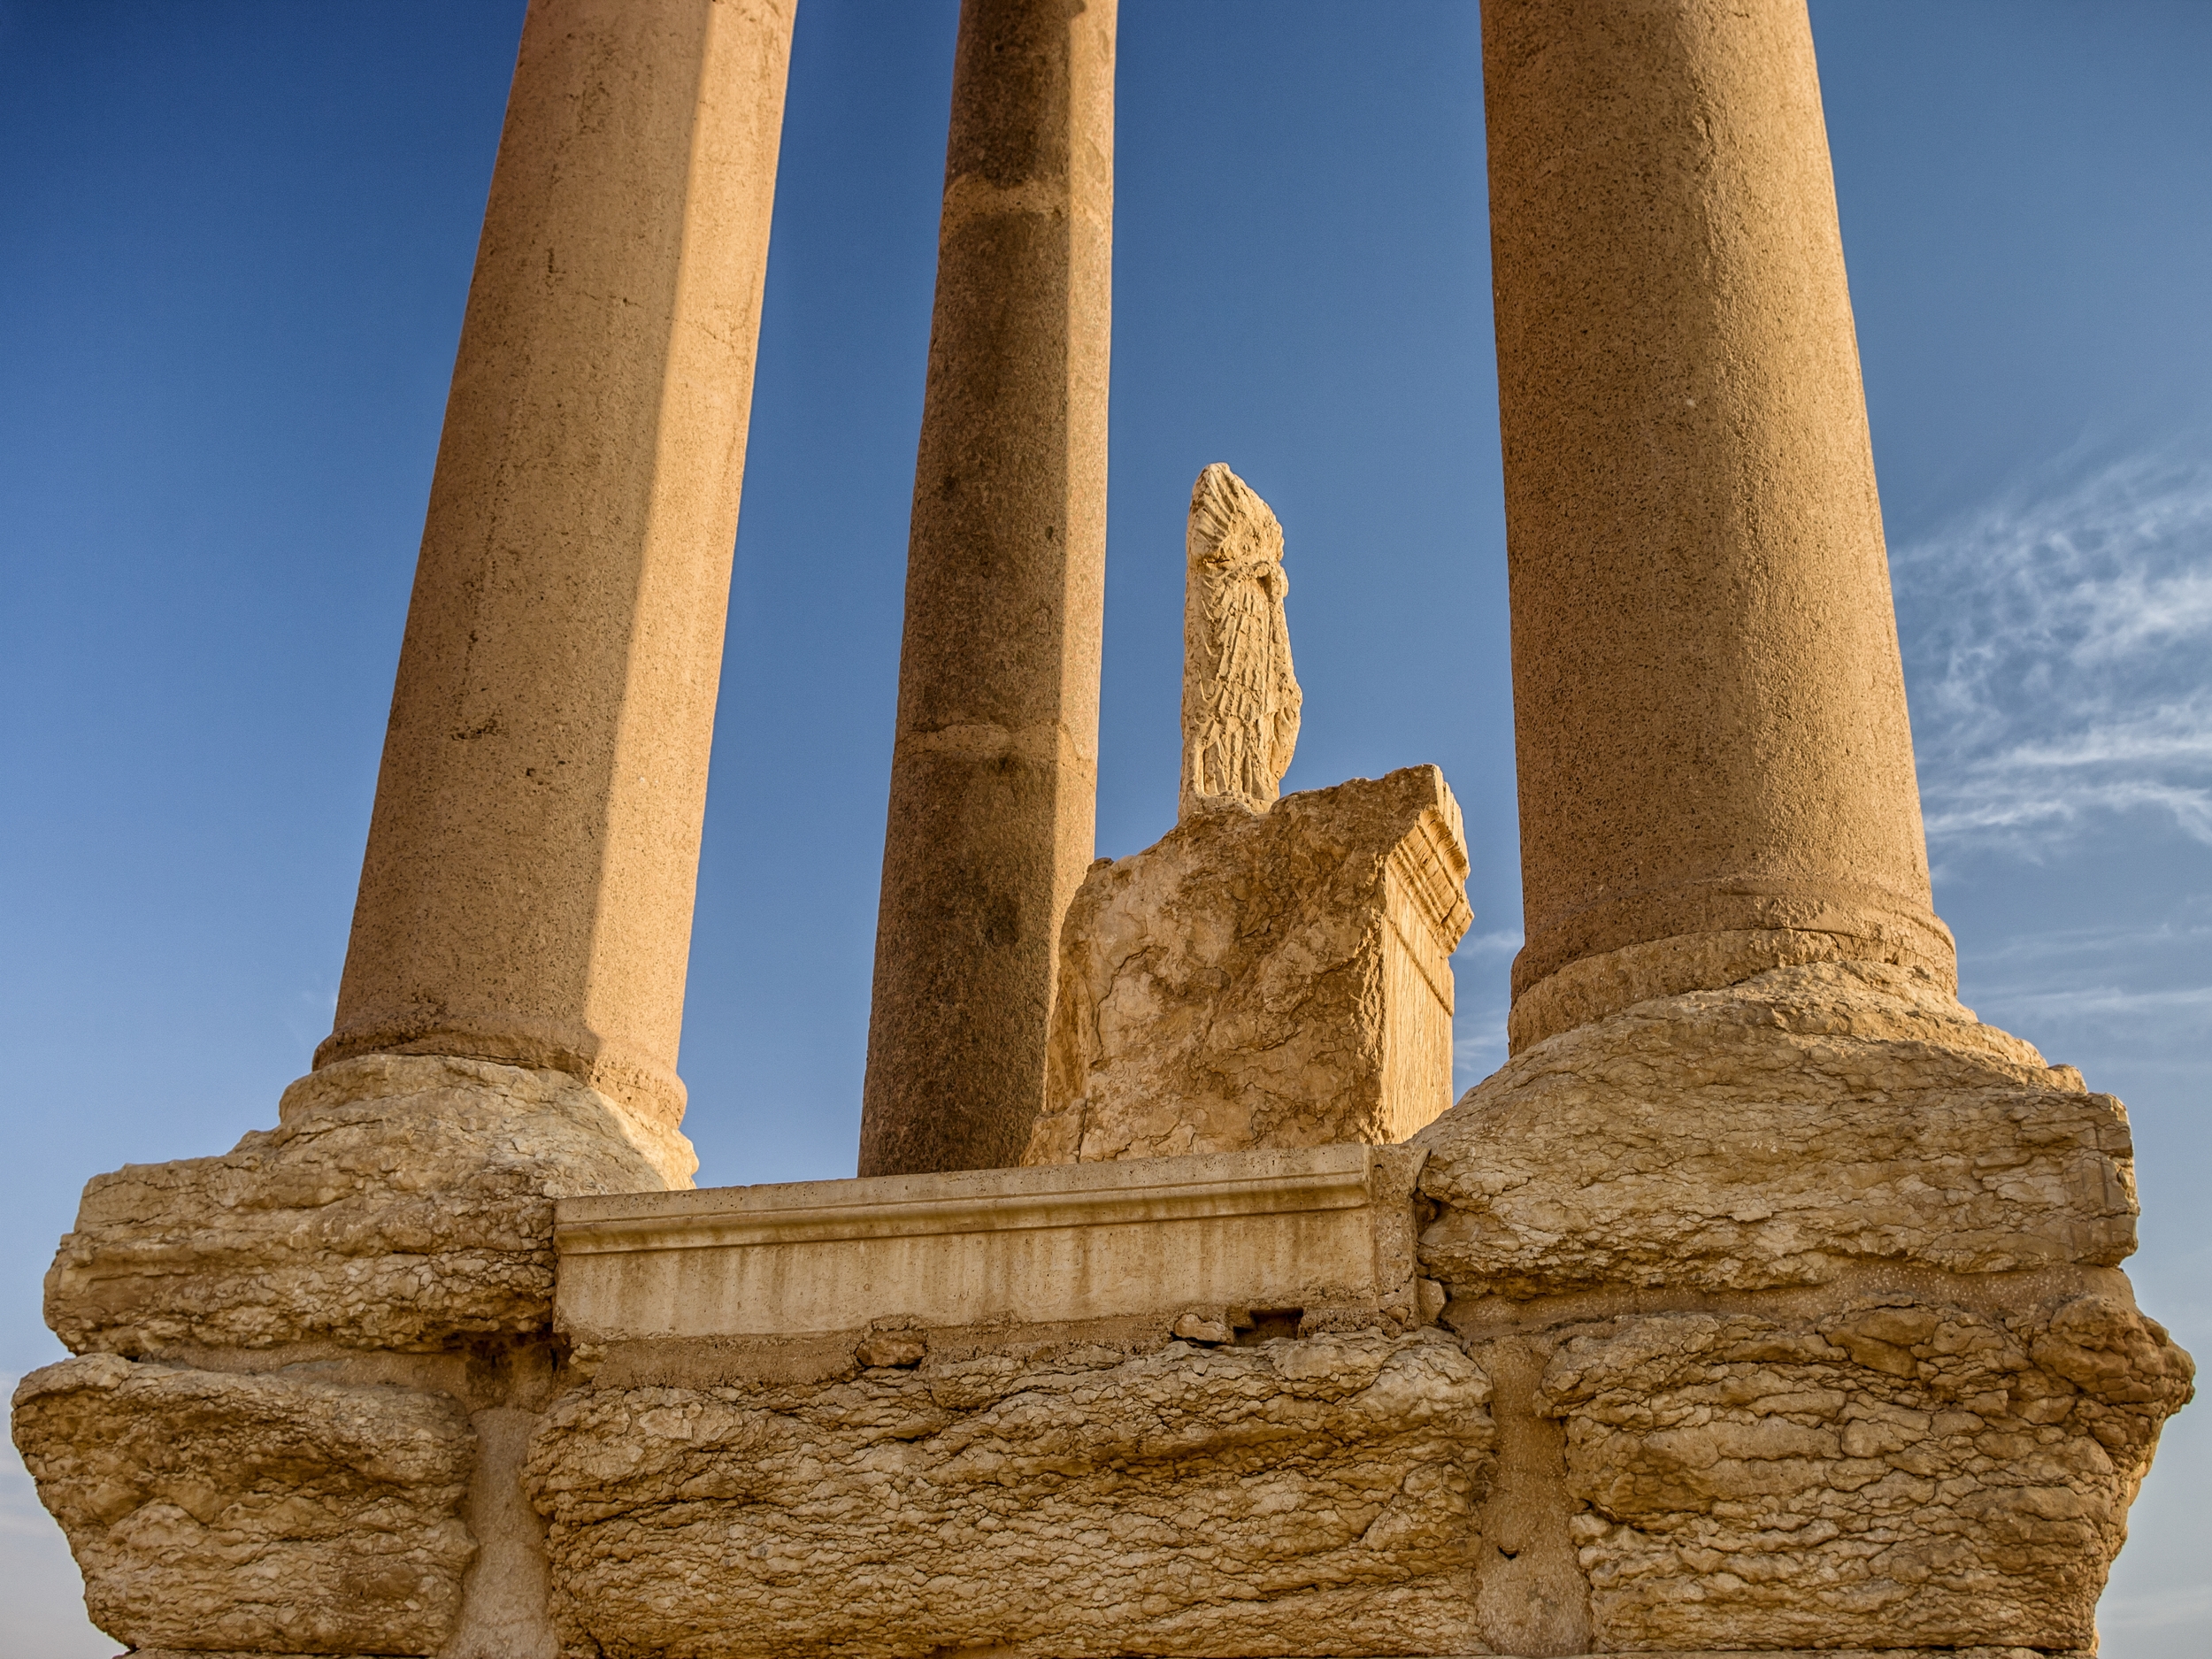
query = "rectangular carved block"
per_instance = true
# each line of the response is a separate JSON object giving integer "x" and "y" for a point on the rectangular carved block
{"x": 1321, "y": 1228}
{"x": 1275, "y": 978}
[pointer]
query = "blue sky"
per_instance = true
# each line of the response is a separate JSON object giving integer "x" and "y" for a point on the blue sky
{"x": 236, "y": 239}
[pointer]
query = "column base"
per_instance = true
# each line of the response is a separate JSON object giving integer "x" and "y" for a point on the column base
{"x": 402, "y": 1201}
{"x": 1593, "y": 987}
{"x": 309, "y": 1367}
{"x": 1802, "y": 1302}
{"x": 648, "y": 1092}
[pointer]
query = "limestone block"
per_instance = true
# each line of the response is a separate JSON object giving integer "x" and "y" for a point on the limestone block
{"x": 1329, "y": 1230}
{"x": 1770, "y": 1134}
{"x": 1288, "y": 1497}
{"x": 1263, "y": 980}
{"x": 403, "y": 1200}
{"x": 266, "y": 1514}
{"x": 1896, "y": 1473}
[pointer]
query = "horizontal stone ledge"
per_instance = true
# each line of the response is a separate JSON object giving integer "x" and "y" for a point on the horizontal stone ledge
{"x": 970, "y": 1200}
{"x": 1062, "y": 1243}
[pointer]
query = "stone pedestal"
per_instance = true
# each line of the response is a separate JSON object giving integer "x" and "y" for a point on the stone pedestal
{"x": 1811, "y": 1289}
{"x": 1765, "y": 1320}
{"x": 309, "y": 1367}
{"x": 1278, "y": 978}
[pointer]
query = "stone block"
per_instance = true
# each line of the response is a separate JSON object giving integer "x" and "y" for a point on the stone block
{"x": 1275, "y": 978}
{"x": 265, "y": 1514}
{"x": 1326, "y": 1230}
{"x": 402, "y": 1202}
{"x": 1772, "y": 1133}
{"x": 1289, "y": 1497}
{"x": 1895, "y": 1473}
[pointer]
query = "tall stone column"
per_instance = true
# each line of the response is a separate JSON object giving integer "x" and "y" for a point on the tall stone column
{"x": 527, "y": 890}
{"x": 507, "y": 1024}
{"x": 993, "y": 773}
{"x": 1715, "y": 767}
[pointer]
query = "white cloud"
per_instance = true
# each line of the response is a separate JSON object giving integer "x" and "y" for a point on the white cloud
{"x": 1503, "y": 943}
{"x": 2059, "y": 647}
{"x": 2111, "y": 1000}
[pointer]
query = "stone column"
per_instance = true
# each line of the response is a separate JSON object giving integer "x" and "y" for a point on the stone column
{"x": 994, "y": 772}
{"x": 1716, "y": 768}
{"x": 527, "y": 889}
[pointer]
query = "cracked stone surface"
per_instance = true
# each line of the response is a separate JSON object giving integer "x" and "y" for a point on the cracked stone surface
{"x": 1772, "y": 1133}
{"x": 1289, "y": 1497}
{"x": 1894, "y": 1472}
{"x": 402, "y": 1202}
{"x": 265, "y": 1514}
{"x": 1262, "y": 978}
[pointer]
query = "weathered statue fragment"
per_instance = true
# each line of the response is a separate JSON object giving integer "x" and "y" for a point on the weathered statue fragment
{"x": 1274, "y": 973}
{"x": 1240, "y": 697}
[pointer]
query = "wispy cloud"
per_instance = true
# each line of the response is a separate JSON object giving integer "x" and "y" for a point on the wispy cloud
{"x": 2059, "y": 643}
{"x": 2105, "y": 1000}
{"x": 1479, "y": 1026}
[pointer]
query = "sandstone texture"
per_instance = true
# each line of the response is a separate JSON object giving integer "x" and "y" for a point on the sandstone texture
{"x": 263, "y": 1514}
{"x": 1772, "y": 1133}
{"x": 527, "y": 892}
{"x": 404, "y": 1202}
{"x": 1287, "y": 1497}
{"x": 1709, "y": 707}
{"x": 1263, "y": 980}
{"x": 1240, "y": 696}
{"x": 1894, "y": 1470}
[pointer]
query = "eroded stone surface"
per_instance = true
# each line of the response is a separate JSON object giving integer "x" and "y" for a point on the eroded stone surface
{"x": 1240, "y": 697}
{"x": 1771, "y": 1134}
{"x": 1290, "y": 1497}
{"x": 401, "y": 1202}
{"x": 1895, "y": 1471}
{"x": 268, "y": 1514}
{"x": 1263, "y": 980}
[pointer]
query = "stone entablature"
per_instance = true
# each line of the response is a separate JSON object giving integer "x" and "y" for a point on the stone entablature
{"x": 1325, "y": 1232}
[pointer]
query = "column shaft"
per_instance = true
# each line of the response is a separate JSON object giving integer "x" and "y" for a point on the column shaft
{"x": 527, "y": 889}
{"x": 1716, "y": 768}
{"x": 993, "y": 773}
